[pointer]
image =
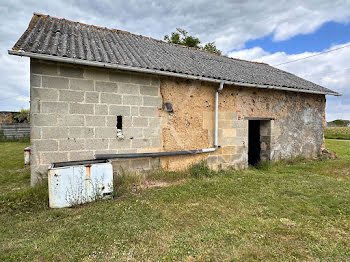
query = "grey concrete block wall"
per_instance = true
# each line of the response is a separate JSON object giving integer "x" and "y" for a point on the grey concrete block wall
{"x": 74, "y": 113}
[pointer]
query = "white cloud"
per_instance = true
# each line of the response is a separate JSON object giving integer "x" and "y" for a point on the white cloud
{"x": 14, "y": 75}
{"x": 229, "y": 23}
{"x": 331, "y": 70}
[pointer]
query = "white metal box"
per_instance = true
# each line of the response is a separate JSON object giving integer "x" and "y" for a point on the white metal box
{"x": 80, "y": 183}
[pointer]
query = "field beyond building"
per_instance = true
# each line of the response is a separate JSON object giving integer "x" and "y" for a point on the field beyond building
{"x": 291, "y": 210}
{"x": 337, "y": 132}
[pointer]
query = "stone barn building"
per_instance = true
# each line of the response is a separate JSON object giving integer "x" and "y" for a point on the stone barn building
{"x": 102, "y": 93}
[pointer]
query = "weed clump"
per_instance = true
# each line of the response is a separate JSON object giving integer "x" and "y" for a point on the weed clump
{"x": 200, "y": 170}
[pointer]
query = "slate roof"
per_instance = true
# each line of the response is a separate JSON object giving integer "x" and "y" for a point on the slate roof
{"x": 63, "y": 38}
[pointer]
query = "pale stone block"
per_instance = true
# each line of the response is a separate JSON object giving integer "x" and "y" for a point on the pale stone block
{"x": 242, "y": 132}
{"x": 44, "y": 119}
{"x": 54, "y": 132}
{"x": 151, "y": 132}
{"x": 71, "y": 144}
{"x": 233, "y": 141}
{"x": 229, "y": 132}
{"x": 141, "y": 79}
{"x": 35, "y": 106}
{"x": 71, "y": 120}
{"x": 71, "y": 96}
{"x": 95, "y": 121}
{"x": 140, "y": 143}
{"x": 35, "y": 80}
{"x": 96, "y": 144}
{"x": 120, "y": 165}
{"x": 102, "y": 86}
{"x": 225, "y": 124}
{"x": 92, "y": 97}
{"x": 96, "y": 74}
{"x": 101, "y": 109}
{"x": 105, "y": 132}
{"x": 55, "y": 82}
{"x": 120, "y": 76}
{"x": 156, "y": 142}
{"x": 119, "y": 144}
{"x": 54, "y": 107}
{"x": 71, "y": 71}
{"x": 80, "y": 84}
{"x": 35, "y": 132}
{"x": 143, "y": 163}
{"x": 155, "y": 81}
{"x": 38, "y": 173}
{"x": 148, "y": 111}
{"x": 140, "y": 121}
{"x": 228, "y": 150}
{"x": 85, "y": 109}
{"x": 149, "y": 90}
{"x": 240, "y": 124}
{"x": 52, "y": 157}
{"x": 44, "y": 94}
{"x": 132, "y": 100}
{"x": 132, "y": 132}
{"x": 119, "y": 110}
{"x": 155, "y": 121}
{"x": 44, "y": 145}
{"x": 80, "y": 155}
{"x": 109, "y": 98}
{"x": 127, "y": 151}
{"x": 151, "y": 101}
{"x": 81, "y": 132}
{"x": 134, "y": 110}
{"x": 128, "y": 88}
{"x": 43, "y": 68}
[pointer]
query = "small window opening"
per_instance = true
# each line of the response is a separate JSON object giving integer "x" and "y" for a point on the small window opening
{"x": 119, "y": 122}
{"x": 120, "y": 127}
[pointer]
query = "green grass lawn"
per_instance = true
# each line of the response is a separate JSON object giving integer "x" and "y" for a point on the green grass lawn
{"x": 293, "y": 210}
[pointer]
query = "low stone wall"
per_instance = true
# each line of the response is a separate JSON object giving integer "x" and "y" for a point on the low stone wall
{"x": 15, "y": 130}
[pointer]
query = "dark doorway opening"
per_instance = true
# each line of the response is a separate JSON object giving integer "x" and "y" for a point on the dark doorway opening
{"x": 254, "y": 142}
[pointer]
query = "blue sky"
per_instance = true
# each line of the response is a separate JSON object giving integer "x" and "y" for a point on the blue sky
{"x": 329, "y": 34}
{"x": 269, "y": 31}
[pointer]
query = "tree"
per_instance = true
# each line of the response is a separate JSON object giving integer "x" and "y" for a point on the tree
{"x": 211, "y": 47}
{"x": 181, "y": 37}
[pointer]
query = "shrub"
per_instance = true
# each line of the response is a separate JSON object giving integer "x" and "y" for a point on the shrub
{"x": 22, "y": 117}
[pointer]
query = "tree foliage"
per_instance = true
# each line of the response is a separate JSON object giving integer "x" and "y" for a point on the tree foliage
{"x": 21, "y": 117}
{"x": 181, "y": 37}
{"x": 211, "y": 47}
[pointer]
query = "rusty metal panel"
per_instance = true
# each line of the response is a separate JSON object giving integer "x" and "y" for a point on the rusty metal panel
{"x": 74, "y": 185}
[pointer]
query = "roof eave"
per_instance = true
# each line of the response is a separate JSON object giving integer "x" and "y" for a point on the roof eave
{"x": 158, "y": 72}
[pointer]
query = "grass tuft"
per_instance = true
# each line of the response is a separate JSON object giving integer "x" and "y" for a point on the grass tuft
{"x": 30, "y": 199}
{"x": 200, "y": 170}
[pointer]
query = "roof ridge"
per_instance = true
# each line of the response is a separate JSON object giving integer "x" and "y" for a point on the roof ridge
{"x": 59, "y": 39}
{"x": 148, "y": 37}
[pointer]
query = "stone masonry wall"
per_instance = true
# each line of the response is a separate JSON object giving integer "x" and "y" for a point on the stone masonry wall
{"x": 74, "y": 113}
{"x": 297, "y": 128}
